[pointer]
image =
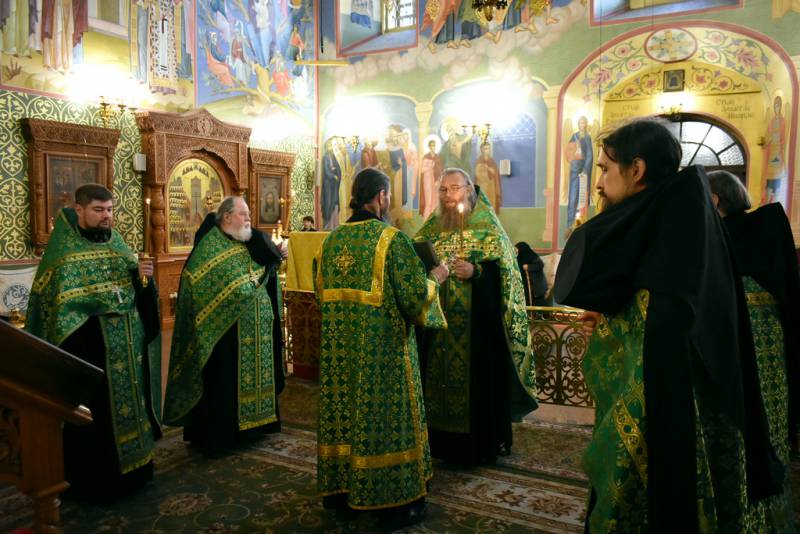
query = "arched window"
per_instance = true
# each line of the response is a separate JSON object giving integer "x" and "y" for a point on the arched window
{"x": 710, "y": 144}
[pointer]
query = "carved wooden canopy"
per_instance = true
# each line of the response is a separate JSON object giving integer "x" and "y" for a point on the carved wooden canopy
{"x": 62, "y": 156}
{"x": 170, "y": 138}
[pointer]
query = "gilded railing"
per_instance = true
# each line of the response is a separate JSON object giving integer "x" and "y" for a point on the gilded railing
{"x": 558, "y": 348}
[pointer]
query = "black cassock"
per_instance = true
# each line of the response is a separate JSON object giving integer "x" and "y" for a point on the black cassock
{"x": 91, "y": 465}
{"x": 213, "y": 423}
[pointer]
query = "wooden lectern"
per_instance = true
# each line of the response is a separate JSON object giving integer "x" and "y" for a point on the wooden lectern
{"x": 41, "y": 386}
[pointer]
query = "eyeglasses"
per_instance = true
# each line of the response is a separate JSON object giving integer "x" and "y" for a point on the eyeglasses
{"x": 452, "y": 189}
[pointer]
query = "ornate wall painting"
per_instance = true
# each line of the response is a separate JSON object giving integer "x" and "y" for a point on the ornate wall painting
{"x": 732, "y": 74}
{"x": 453, "y": 23}
{"x": 195, "y": 190}
{"x": 101, "y": 41}
{"x": 357, "y": 20}
{"x": 781, "y": 7}
{"x": 622, "y": 11}
{"x": 517, "y": 132}
{"x": 379, "y": 131}
{"x": 162, "y": 42}
{"x": 248, "y": 53}
{"x": 775, "y": 169}
{"x": 373, "y": 26}
{"x": 579, "y": 159}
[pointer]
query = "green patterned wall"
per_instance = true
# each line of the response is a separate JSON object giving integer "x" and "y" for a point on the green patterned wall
{"x": 15, "y": 242}
{"x": 14, "y": 200}
{"x": 303, "y": 177}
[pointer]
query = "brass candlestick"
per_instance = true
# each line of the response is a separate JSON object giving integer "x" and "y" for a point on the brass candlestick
{"x": 145, "y": 254}
{"x": 288, "y": 203}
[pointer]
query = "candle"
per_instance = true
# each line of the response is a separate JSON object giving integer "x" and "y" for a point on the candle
{"x": 146, "y": 225}
{"x": 461, "y": 229}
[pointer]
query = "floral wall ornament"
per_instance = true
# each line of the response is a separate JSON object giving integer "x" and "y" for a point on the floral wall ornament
{"x": 670, "y": 45}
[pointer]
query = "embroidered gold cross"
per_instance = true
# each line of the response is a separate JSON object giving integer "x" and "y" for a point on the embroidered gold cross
{"x": 344, "y": 260}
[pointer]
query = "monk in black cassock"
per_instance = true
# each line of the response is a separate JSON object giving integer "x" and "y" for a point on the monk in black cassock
{"x": 765, "y": 256}
{"x": 679, "y": 424}
{"x": 226, "y": 365}
{"x": 94, "y": 299}
{"x": 533, "y": 279}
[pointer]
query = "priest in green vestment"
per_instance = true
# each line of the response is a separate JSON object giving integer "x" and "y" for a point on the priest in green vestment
{"x": 88, "y": 298}
{"x": 765, "y": 256}
{"x": 372, "y": 289}
{"x": 479, "y": 374}
{"x": 679, "y": 442}
{"x": 226, "y": 366}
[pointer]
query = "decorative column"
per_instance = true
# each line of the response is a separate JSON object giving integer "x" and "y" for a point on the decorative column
{"x": 550, "y": 98}
{"x": 424, "y": 111}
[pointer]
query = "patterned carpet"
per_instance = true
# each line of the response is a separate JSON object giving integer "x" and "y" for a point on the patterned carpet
{"x": 269, "y": 486}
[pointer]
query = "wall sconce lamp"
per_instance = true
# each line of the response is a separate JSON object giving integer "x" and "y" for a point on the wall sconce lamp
{"x": 482, "y": 131}
{"x": 672, "y": 112}
{"x": 354, "y": 141}
{"x": 109, "y": 111}
{"x": 671, "y": 104}
{"x": 488, "y": 7}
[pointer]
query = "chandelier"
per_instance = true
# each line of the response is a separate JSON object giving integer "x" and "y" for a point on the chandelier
{"x": 488, "y": 6}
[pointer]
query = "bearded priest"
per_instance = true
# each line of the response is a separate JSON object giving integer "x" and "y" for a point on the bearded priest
{"x": 479, "y": 373}
{"x": 226, "y": 369}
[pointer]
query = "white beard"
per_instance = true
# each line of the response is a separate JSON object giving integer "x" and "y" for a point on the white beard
{"x": 242, "y": 234}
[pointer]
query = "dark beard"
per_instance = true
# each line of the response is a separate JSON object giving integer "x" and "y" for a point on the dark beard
{"x": 96, "y": 235}
{"x": 450, "y": 219}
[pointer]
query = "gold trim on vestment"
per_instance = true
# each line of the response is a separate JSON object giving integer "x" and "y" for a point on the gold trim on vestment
{"x": 373, "y": 297}
{"x": 631, "y": 436}
{"x": 253, "y": 424}
{"x": 760, "y": 298}
{"x": 136, "y": 465}
{"x": 602, "y": 328}
{"x": 365, "y": 221}
{"x": 90, "y": 255}
{"x": 204, "y": 269}
{"x": 333, "y": 451}
{"x": 252, "y": 276}
{"x": 389, "y": 459}
{"x": 102, "y": 287}
{"x": 643, "y": 301}
{"x": 431, "y": 295}
{"x": 129, "y": 436}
